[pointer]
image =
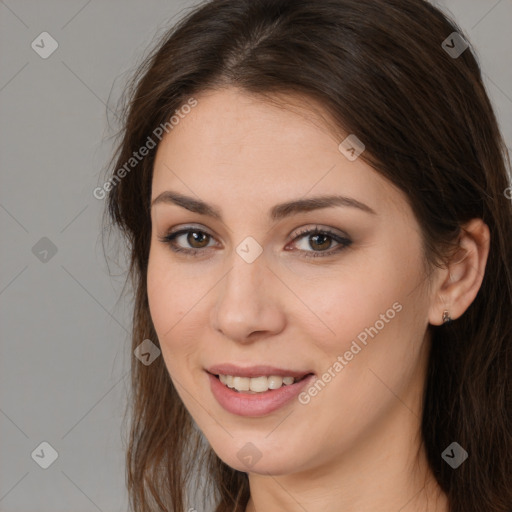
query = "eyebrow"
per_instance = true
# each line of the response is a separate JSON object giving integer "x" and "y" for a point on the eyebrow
{"x": 278, "y": 212}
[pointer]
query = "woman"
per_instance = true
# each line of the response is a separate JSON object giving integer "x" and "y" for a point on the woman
{"x": 314, "y": 197}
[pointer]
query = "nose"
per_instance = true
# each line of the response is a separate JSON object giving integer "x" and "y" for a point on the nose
{"x": 247, "y": 304}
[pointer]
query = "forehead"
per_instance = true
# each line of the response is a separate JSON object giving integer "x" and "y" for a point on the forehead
{"x": 237, "y": 146}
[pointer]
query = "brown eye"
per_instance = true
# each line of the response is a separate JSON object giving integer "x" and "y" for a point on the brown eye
{"x": 188, "y": 241}
{"x": 320, "y": 241}
{"x": 197, "y": 237}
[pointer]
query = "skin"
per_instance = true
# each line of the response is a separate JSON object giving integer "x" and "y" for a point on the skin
{"x": 356, "y": 446}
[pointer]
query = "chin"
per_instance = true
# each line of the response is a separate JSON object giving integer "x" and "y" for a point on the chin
{"x": 259, "y": 458}
{"x": 275, "y": 467}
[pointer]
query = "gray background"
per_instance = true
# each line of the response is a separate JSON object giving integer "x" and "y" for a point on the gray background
{"x": 65, "y": 333}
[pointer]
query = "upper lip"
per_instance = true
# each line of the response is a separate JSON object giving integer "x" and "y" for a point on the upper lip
{"x": 254, "y": 371}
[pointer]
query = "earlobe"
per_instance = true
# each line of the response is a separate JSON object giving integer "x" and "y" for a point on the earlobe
{"x": 446, "y": 317}
{"x": 464, "y": 274}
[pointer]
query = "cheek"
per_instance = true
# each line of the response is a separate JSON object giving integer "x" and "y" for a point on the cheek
{"x": 167, "y": 304}
{"x": 174, "y": 301}
{"x": 370, "y": 316}
{"x": 344, "y": 301}
{"x": 378, "y": 334}
{"x": 170, "y": 295}
{"x": 159, "y": 292}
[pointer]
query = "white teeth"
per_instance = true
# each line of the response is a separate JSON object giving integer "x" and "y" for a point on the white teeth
{"x": 275, "y": 382}
{"x": 241, "y": 383}
{"x": 256, "y": 384}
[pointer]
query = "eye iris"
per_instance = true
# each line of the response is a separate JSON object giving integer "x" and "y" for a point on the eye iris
{"x": 193, "y": 237}
{"x": 321, "y": 236}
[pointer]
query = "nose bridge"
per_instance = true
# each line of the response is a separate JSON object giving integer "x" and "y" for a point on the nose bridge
{"x": 244, "y": 302}
{"x": 248, "y": 270}
{"x": 243, "y": 286}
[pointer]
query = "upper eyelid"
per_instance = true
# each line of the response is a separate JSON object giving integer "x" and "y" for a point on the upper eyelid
{"x": 302, "y": 232}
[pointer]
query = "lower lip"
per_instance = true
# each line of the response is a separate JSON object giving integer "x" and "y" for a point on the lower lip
{"x": 245, "y": 404}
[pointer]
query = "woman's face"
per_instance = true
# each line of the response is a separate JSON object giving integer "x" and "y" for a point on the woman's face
{"x": 348, "y": 309}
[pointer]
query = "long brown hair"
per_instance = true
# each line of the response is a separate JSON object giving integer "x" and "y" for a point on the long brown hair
{"x": 380, "y": 69}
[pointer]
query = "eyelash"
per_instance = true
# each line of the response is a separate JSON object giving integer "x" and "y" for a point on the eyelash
{"x": 344, "y": 242}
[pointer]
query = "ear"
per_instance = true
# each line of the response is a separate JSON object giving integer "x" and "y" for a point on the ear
{"x": 462, "y": 278}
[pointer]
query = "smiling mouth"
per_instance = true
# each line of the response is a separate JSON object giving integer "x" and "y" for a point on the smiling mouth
{"x": 261, "y": 384}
